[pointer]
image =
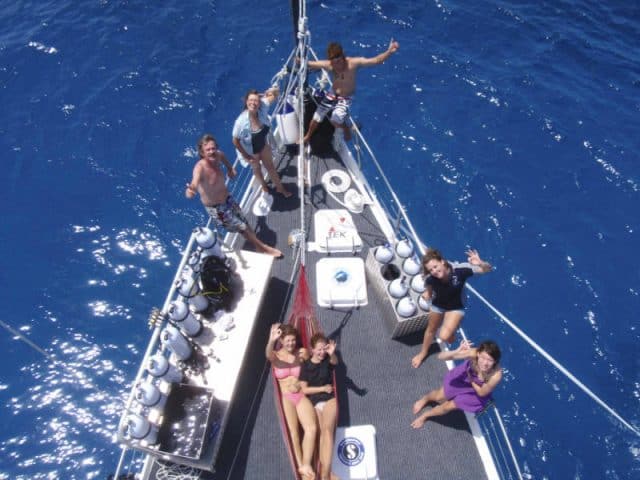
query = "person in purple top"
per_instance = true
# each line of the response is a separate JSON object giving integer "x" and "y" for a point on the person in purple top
{"x": 444, "y": 283}
{"x": 467, "y": 386}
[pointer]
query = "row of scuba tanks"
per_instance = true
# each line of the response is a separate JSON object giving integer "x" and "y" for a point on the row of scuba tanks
{"x": 400, "y": 267}
{"x": 168, "y": 364}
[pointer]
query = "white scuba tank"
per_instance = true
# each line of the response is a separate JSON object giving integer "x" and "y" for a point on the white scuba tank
{"x": 187, "y": 287}
{"x": 404, "y": 248}
{"x": 194, "y": 261}
{"x": 383, "y": 253}
{"x": 159, "y": 367}
{"x": 188, "y": 272}
{"x": 410, "y": 266}
{"x": 149, "y": 395}
{"x": 205, "y": 237}
{"x": 199, "y": 303}
{"x": 175, "y": 341}
{"x": 406, "y": 307}
{"x": 179, "y": 312}
{"x": 398, "y": 288}
{"x": 139, "y": 428}
{"x": 418, "y": 284}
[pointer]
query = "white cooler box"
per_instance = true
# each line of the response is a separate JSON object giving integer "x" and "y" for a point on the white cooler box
{"x": 335, "y": 232}
{"x": 341, "y": 282}
{"x": 354, "y": 453}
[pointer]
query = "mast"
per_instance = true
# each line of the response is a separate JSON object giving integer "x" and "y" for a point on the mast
{"x": 295, "y": 15}
{"x": 298, "y": 11}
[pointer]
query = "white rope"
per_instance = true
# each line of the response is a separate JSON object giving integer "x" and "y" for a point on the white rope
{"x": 554, "y": 362}
{"x": 173, "y": 471}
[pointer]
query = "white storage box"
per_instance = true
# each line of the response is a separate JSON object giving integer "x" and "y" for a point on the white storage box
{"x": 336, "y": 232}
{"x": 341, "y": 282}
{"x": 354, "y": 453}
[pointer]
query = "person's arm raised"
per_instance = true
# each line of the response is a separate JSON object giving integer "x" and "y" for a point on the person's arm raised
{"x": 331, "y": 350}
{"x": 274, "y": 334}
{"x": 462, "y": 352}
{"x": 378, "y": 59}
{"x": 318, "y": 64}
{"x": 271, "y": 94}
{"x": 474, "y": 259}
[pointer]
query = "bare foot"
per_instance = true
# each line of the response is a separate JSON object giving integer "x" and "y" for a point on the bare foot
{"x": 418, "y": 422}
{"x": 283, "y": 191}
{"x": 419, "y": 405}
{"x": 274, "y": 252}
{"x": 418, "y": 359}
{"x": 306, "y": 472}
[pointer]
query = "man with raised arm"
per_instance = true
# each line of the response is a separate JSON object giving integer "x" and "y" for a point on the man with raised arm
{"x": 343, "y": 70}
{"x": 208, "y": 181}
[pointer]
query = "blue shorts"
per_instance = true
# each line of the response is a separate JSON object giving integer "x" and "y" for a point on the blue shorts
{"x": 435, "y": 309}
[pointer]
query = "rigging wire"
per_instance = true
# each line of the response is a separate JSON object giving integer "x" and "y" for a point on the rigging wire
{"x": 37, "y": 348}
{"x": 554, "y": 362}
{"x": 32, "y": 344}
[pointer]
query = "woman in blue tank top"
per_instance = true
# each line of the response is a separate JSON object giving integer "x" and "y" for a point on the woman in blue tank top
{"x": 251, "y": 138}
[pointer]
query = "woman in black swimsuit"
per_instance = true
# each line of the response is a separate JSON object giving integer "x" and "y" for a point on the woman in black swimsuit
{"x": 250, "y": 137}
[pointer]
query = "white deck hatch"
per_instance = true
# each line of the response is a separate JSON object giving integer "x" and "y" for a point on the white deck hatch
{"x": 341, "y": 282}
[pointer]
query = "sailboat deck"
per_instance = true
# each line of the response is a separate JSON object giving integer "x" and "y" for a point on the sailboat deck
{"x": 376, "y": 384}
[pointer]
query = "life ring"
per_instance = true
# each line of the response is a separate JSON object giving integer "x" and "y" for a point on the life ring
{"x": 336, "y": 181}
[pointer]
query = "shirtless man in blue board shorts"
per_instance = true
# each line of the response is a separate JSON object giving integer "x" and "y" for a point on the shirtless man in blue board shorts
{"x": 208, "y": 181}
{"x": 343, "y": 71}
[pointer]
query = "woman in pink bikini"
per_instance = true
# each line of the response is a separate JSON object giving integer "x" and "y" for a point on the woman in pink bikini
{"x": 298, "y": 410}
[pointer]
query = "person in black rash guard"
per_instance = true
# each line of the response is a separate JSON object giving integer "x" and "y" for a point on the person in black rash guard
{"x": 316, "y": 382}
{"x": 444, "y": 283}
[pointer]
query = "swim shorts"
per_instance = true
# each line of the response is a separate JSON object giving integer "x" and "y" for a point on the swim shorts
{"x": 435, "y": 309}
{"x": 228, "y": 215}
{"x": 340, "y": 106}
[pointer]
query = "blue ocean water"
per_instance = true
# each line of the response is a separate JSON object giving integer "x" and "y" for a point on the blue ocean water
{"x": 510, "y": 127}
